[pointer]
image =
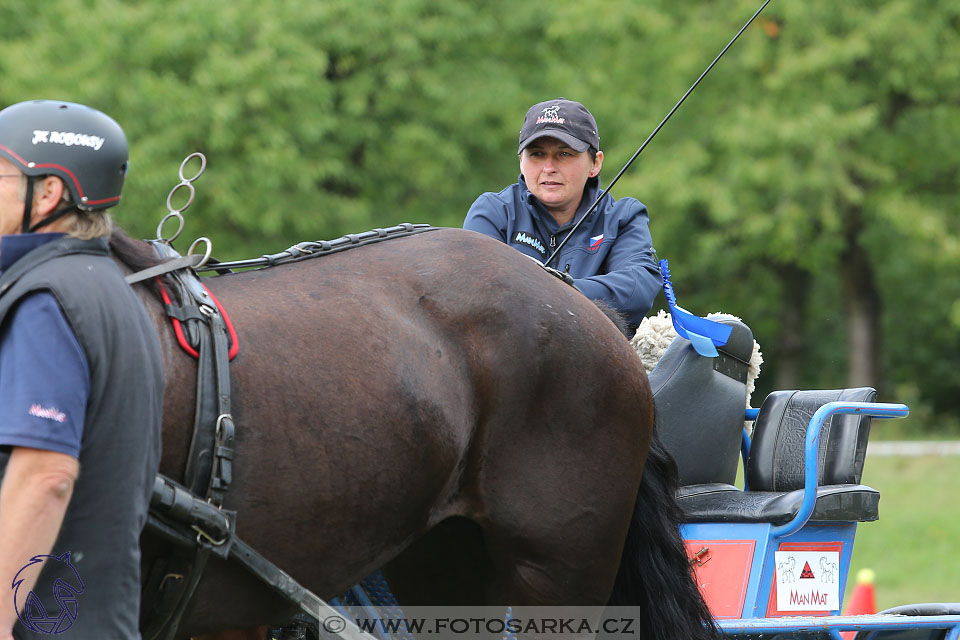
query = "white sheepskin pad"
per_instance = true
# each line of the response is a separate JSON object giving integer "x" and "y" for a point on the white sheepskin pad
{"x": 656, "y": 333}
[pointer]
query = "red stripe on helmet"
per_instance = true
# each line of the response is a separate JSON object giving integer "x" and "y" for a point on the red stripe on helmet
{"x": 26, "y": 165}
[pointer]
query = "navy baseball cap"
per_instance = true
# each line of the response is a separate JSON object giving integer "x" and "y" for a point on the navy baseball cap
{"x": 562, "y": 119}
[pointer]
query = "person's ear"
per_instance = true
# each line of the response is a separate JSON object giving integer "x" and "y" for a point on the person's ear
{"x": 597, "y": 165}
{"x": 47, "y": 194}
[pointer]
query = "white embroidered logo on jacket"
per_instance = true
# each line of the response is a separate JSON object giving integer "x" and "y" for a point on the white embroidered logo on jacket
{"x": 50, "y": 413}
{"x": 530, "y": 241}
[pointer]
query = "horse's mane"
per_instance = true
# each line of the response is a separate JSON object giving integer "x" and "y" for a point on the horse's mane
{"x": 136, "y": 255}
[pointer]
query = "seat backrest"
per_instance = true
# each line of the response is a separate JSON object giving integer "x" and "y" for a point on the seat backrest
{"x": 776, "y": 453}
{"x": 700, "y": 406}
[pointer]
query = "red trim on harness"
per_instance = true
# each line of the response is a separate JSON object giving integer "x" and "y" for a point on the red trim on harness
{"x": 178, "y": 329}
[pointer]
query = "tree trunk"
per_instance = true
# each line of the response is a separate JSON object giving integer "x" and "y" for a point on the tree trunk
{"x": 863, "y": 309}
{"x": 792, "y": 340}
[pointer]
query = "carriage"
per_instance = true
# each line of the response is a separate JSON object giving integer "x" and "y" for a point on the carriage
{"x": 773, "y": 557}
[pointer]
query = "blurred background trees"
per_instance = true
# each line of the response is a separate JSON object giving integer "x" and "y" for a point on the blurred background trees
{"x": 809, "y": 185}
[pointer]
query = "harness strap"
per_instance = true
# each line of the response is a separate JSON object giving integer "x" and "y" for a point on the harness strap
{"x": 200, "y": 456}
{"x": 309, "y": 250}
{"x": 173, "y": 500}
{"x": 169, "y": 629}
{"x": 208, "y": 471}
{"x": 53, "y": 216}
{"x": 183, "y": 314}
{"x": 27, "y": 206}
{"x": 175, "y": 264}
{"x": 267, "y": 572}
{"x": 185, "y": 331}
{"x": 221, "y": 473}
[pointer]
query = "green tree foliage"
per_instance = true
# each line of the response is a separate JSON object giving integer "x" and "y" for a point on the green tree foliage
{"x": 317, "y": 118}
{"x": 825, "y": 177}
{"x": 809, "y": 184}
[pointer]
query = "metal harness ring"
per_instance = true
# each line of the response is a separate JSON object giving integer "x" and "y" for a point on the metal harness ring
{"x": 185, "y": 183}
{"x": 172, "y": 214}
{"x": 203, "y": 166}
{"x": 206, "y": 253}
{"x": 186, "y": 205}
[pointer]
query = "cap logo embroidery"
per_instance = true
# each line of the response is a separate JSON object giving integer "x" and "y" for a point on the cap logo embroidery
{"x": 551, "y": 115}
{"x": 68, "y": 139}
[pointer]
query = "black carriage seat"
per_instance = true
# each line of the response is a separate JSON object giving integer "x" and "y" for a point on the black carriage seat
{"x": 775, "y": 466}
{"x": 700, "y": 405}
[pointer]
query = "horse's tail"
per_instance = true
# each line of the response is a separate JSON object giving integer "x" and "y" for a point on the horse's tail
{"x": 654, "y": 574}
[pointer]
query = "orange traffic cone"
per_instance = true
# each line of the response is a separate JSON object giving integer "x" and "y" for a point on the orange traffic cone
{"x": 862, "y": 600}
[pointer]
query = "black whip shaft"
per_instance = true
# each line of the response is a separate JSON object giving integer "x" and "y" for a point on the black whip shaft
{"x": 650, "y": 137}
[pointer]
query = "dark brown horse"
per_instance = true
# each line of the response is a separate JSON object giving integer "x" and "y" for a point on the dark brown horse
{"x": 439, "y": 406}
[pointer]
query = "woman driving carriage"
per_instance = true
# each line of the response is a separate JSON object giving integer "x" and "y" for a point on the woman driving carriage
{"x": 611, "y": 256}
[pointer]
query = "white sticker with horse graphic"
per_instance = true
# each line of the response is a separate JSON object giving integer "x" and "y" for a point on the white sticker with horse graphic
{"x": 808, "y": 580}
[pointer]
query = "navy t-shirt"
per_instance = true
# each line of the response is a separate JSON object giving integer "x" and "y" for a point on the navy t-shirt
{"x": 44, "y": 375}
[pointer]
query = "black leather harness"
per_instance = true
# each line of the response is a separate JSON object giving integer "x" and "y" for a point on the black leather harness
{"x": 191, "y": 515}
{"x": 198, "y": 503}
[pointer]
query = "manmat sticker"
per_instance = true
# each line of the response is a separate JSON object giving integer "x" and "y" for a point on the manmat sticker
{"x": 807, "y": 580}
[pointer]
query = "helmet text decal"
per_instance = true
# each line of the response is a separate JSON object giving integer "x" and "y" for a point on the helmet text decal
{"x": 67, "y": 139}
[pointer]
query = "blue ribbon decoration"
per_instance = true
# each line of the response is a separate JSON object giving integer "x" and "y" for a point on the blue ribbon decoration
{"x": 705, "y": 335}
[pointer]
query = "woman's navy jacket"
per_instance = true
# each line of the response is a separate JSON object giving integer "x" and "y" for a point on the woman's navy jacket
{"x": 610, "y": 257}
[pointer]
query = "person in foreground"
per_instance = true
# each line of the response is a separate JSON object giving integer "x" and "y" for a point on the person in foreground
{"x": 81, "y": 382}
{"x": 611, "y": 256}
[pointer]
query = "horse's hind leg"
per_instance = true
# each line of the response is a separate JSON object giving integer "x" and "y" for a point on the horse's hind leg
{"x": 557, "y": 501}
{"x": 572, "y": 564}
{"x": 459, "y": 563}
{"x": 446, "y": 567}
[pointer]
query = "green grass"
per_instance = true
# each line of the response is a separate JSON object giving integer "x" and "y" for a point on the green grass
{"x": 915, "y": 546}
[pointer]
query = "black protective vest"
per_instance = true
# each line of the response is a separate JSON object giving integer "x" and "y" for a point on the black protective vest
{"x": 120, "y": 445}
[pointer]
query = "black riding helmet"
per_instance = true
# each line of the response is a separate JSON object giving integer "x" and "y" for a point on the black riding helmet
{"x": 84, "y": 147}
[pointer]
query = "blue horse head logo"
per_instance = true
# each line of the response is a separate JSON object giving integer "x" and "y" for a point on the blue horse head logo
{"x": 66, "y": 587}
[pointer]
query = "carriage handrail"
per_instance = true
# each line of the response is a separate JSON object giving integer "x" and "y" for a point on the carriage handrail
{"x": 811, "y": 446}
{"x": 835, "y": 624}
